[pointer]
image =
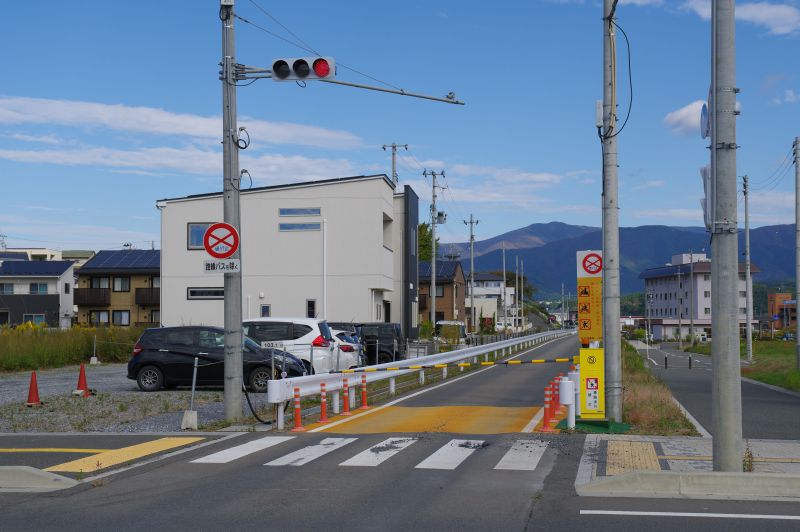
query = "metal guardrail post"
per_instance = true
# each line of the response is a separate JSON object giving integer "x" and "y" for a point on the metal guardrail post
{"x": 392, "y": 389}
{"x": 422, "y": 377}
{"x": 194, "y": 383}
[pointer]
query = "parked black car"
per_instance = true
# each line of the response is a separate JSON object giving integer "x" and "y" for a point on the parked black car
{"x": 382, "y": 342}
{"x": 164, "y": 357}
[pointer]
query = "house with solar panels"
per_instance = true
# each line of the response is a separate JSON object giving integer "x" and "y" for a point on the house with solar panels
{"x": 40, "y": 292}
{"x": 120, "y": 288}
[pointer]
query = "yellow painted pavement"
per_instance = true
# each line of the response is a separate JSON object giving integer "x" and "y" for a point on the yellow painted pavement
{"x": 457, "y": 419}
{"x": 51, "y": 450}
{"x": 114, "y": 457}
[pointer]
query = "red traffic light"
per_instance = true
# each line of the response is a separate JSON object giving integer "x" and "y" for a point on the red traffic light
{"x": 303, "y": 68}
{"x": 322, "y": 68}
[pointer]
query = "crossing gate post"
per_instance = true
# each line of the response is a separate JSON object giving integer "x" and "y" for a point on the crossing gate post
{"x": 346, "y": 392}
{"x": 364, "y": 405}
{"x": 392, "y": 386}
{"x": 323, "y": 403}
{"x": 444, "y": 373}
{"x": 298, "y": 415}
{"x": 421, "y": 377}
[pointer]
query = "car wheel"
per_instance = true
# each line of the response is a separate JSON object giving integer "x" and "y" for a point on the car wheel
{"x": 384, "y": 358}
{"x": 259, "y": 379}
{"x": 150, "y": 379}
{"x": 309, "y": 370}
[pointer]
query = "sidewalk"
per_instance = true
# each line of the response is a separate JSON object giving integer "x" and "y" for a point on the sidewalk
{"x": 681, "y": 467}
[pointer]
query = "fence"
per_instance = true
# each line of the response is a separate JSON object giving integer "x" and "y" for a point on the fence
{"x": 281, "y": 391}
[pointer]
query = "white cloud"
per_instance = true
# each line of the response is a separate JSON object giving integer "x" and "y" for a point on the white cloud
{"x": 641, "y": 2}
{"x": 685, "y": 120}
{"x": 59, "y": 233}
{"x": 653, "y": 183}
{"x": 148, "y": 120}
{"x": 777, "y": 19}
{"x": 40, "y": 139}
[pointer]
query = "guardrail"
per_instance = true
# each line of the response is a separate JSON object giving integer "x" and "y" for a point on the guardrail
{"x": 283, "y": 390}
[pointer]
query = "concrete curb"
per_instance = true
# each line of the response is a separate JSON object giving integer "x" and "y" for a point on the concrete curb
{"x": 771, "y": 387}
{"x": 26, "y": 479}
{"x": 696, "y": 485}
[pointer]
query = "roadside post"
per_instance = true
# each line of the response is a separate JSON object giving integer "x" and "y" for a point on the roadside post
{"x": 592, "y": 383}
{"x": 189, "y": 420}
{"x": 567, "y": 395}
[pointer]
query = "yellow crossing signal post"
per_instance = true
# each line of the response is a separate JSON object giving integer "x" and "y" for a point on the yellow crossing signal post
{"x": 590, "y": 329}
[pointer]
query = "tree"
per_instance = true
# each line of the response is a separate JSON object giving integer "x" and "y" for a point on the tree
{"x": 424, "y": 241}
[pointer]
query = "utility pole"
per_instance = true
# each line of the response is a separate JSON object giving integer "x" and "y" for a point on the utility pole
{"x": 394, "y": 147}
{"x": 472, "y": 222}
{"x": 726, "y": 383}
{"x": 691, "y": 297}
{"x": 563, "y": 319}
{"x": 797, "y": 246}
{"x": 505, "y": 314}
{"x": 522, "y": 292}
{"x": 516, "y": 294}
{"x": 230, "y": 191}
{"x": 680, "y": 311}
{"x": 611, "y": 337}
{"x": 435, "y": 215}
{"x": 748, "y": 280}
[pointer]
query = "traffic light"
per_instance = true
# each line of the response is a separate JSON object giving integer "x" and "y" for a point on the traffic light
{"x": 303, "y": 69}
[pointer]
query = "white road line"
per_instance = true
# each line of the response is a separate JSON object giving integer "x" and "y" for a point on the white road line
{"x": 693, "y": 514}
{"x": 524, "y": 455}
{"x": 450, "y": 455}
{"x": 426, "y": 390}
{"x": 231, "y": 454}
{"x": 534, "y": 421}
{"x": 312, "y": 452}
{"x": 378, "y": 454}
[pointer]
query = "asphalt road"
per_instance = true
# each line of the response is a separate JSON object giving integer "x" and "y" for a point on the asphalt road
{"x": 766, "y": 413}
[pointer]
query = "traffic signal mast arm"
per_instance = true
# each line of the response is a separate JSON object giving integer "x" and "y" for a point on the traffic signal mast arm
{"x": 244, "y": 72}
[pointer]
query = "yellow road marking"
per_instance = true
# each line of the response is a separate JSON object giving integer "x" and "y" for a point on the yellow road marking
{"x": 51, "y": 450}
{"x": 757, "y": 459}
{"x": 456, "y": 419}
{"x": 114, "y": 457}
{"x": 624, "y": 456}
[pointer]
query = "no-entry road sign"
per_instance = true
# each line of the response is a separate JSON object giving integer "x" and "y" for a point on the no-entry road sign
{"x": 592, "y": 263}
{"x": 221, "y": 240}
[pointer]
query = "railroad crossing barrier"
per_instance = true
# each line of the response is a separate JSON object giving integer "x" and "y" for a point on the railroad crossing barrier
{"x": 283, "y": 390}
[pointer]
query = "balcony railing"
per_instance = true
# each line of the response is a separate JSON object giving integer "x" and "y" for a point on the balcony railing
{"x": 148, "y": 297}
{"x": 94, "y": 297}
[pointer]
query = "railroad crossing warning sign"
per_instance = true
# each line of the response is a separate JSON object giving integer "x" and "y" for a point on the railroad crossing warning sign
{"x": 590, "y": 296}
{"x": 585, "y": 324}
{"x": 221, "y": 240}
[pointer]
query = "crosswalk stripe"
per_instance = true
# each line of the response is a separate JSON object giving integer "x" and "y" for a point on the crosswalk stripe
{"x": 450, "y": 455}
{"x": 379, "y": 453}
{"x": 312, "y": 452}
{"x": 524, "y": 455}
{"x": 229, "y": 455}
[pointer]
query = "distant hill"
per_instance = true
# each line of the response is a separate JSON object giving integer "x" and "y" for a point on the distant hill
{"x": 643, "y": 247}
{"x": 532, "y": 236}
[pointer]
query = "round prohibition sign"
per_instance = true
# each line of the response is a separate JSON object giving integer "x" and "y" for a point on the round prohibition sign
{"x": 221, "y": 240}
{"x": 592, "y": 263}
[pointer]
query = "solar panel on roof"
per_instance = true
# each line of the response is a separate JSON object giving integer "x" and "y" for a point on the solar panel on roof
{"x": 127, "y": 259}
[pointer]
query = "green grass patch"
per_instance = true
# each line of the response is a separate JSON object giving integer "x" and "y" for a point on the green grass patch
{"x": 31, "y": 347}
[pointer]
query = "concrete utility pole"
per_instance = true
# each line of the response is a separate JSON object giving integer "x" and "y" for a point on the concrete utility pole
{"x": 516, "y": 293}
{"x": 522, "y": 291}
{"x": 680, "y": 310}
{"x": 230, "y": 190}
{"x": 505, "y": 314}
{"x": 611, "y": 337}
{"x": 394, "y": 147}
{"x": 434, "y": 221}
{"x": 748, "y": 280}
{"x": 563, "y": 318}
{"x": 726, "y": 383}
{"x": 691, "y": 297}
{"x": 472, "y": 314}
{"x": 797, "y": 245}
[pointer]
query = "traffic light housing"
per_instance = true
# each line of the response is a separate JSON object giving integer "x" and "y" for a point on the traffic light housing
{"x": 303, "y": 69}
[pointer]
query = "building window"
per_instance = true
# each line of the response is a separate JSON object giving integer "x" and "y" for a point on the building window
{"x": 38, "y": 288}
{"x": 98, "y": 317}
{"x": 155, "y": 316}
{"x": 99, "y": 282}
{"x": 300, "y": 227}
{"x": 742, "y": 293}
{"x": 439, "y": 290}
{"x": 205, "y": 293}
{"x": 300, "y": 211}
{"x": 707, "y": 293}
{"x": 311, "y": 308}
{"x": 6, "y": 289}
{"x": 36, "y": 319}
{"x": 706, "y": 311}
{"x": 155, "y": 282}
{"x": 266, "y": 311}
{"x": 707, "y": 277}
{"x": 121, "y": 317}
{"x": 194, "y": 234}
{"x": 66, "y": 288}
{"x": 122, "y": 284}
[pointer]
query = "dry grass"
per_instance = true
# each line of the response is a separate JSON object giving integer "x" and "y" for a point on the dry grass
{"x": 647, "y": 402}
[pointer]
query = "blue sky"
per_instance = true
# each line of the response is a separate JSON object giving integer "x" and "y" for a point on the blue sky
{"x": 108, "y": 107}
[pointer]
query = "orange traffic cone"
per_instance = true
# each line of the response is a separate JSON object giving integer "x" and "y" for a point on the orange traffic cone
{"x": 82, "y": 387}
{"x": 33, "y": 392}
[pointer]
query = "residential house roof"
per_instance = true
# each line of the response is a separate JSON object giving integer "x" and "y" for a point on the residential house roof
{"x": 124, "y": 261}
{"x": 484, "y": 276}
{"x": 446, "y": 271}
{"x": 685, "y": 269}
{"x": 34, "y": 268}
{"x": 289, "y": 186}
{"x": 13, "y": 255}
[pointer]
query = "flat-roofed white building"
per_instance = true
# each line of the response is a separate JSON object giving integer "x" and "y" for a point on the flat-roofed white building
{"x": 356, "y": 233}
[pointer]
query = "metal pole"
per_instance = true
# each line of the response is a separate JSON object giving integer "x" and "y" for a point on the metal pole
{"x": 726, "y": 383}
{"x": 522, "y": 292}
{"x": 516, "y": 293}
{"x": 505, "y": 315}
{"x": 611, "y": 336}
{"x": 691, "y": 297}
{"x": 680, "y": 310}
{"x": 194, "y": 383}
{"x": 747, "y": 277}
{"x": 324, "y": 269}
{"x": 797, "y": 246}
{"x": 230, "y": 186}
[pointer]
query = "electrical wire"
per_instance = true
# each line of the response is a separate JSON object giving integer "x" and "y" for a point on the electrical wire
{"x": 630, "y": 82}
{"x": 782, "y": 168}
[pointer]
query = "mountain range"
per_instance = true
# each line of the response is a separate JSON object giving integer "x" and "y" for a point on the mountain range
{"x": 548, "y": 252}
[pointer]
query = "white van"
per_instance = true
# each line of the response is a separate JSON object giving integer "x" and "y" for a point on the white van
{"x": 305, "y": 338}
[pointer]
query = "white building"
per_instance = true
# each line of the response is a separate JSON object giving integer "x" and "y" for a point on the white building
{"x": 341, "y": 249}
{"x": 489, "y": 299}
{"x": 37, "y": 292}
{"x": 681, "y": 291}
